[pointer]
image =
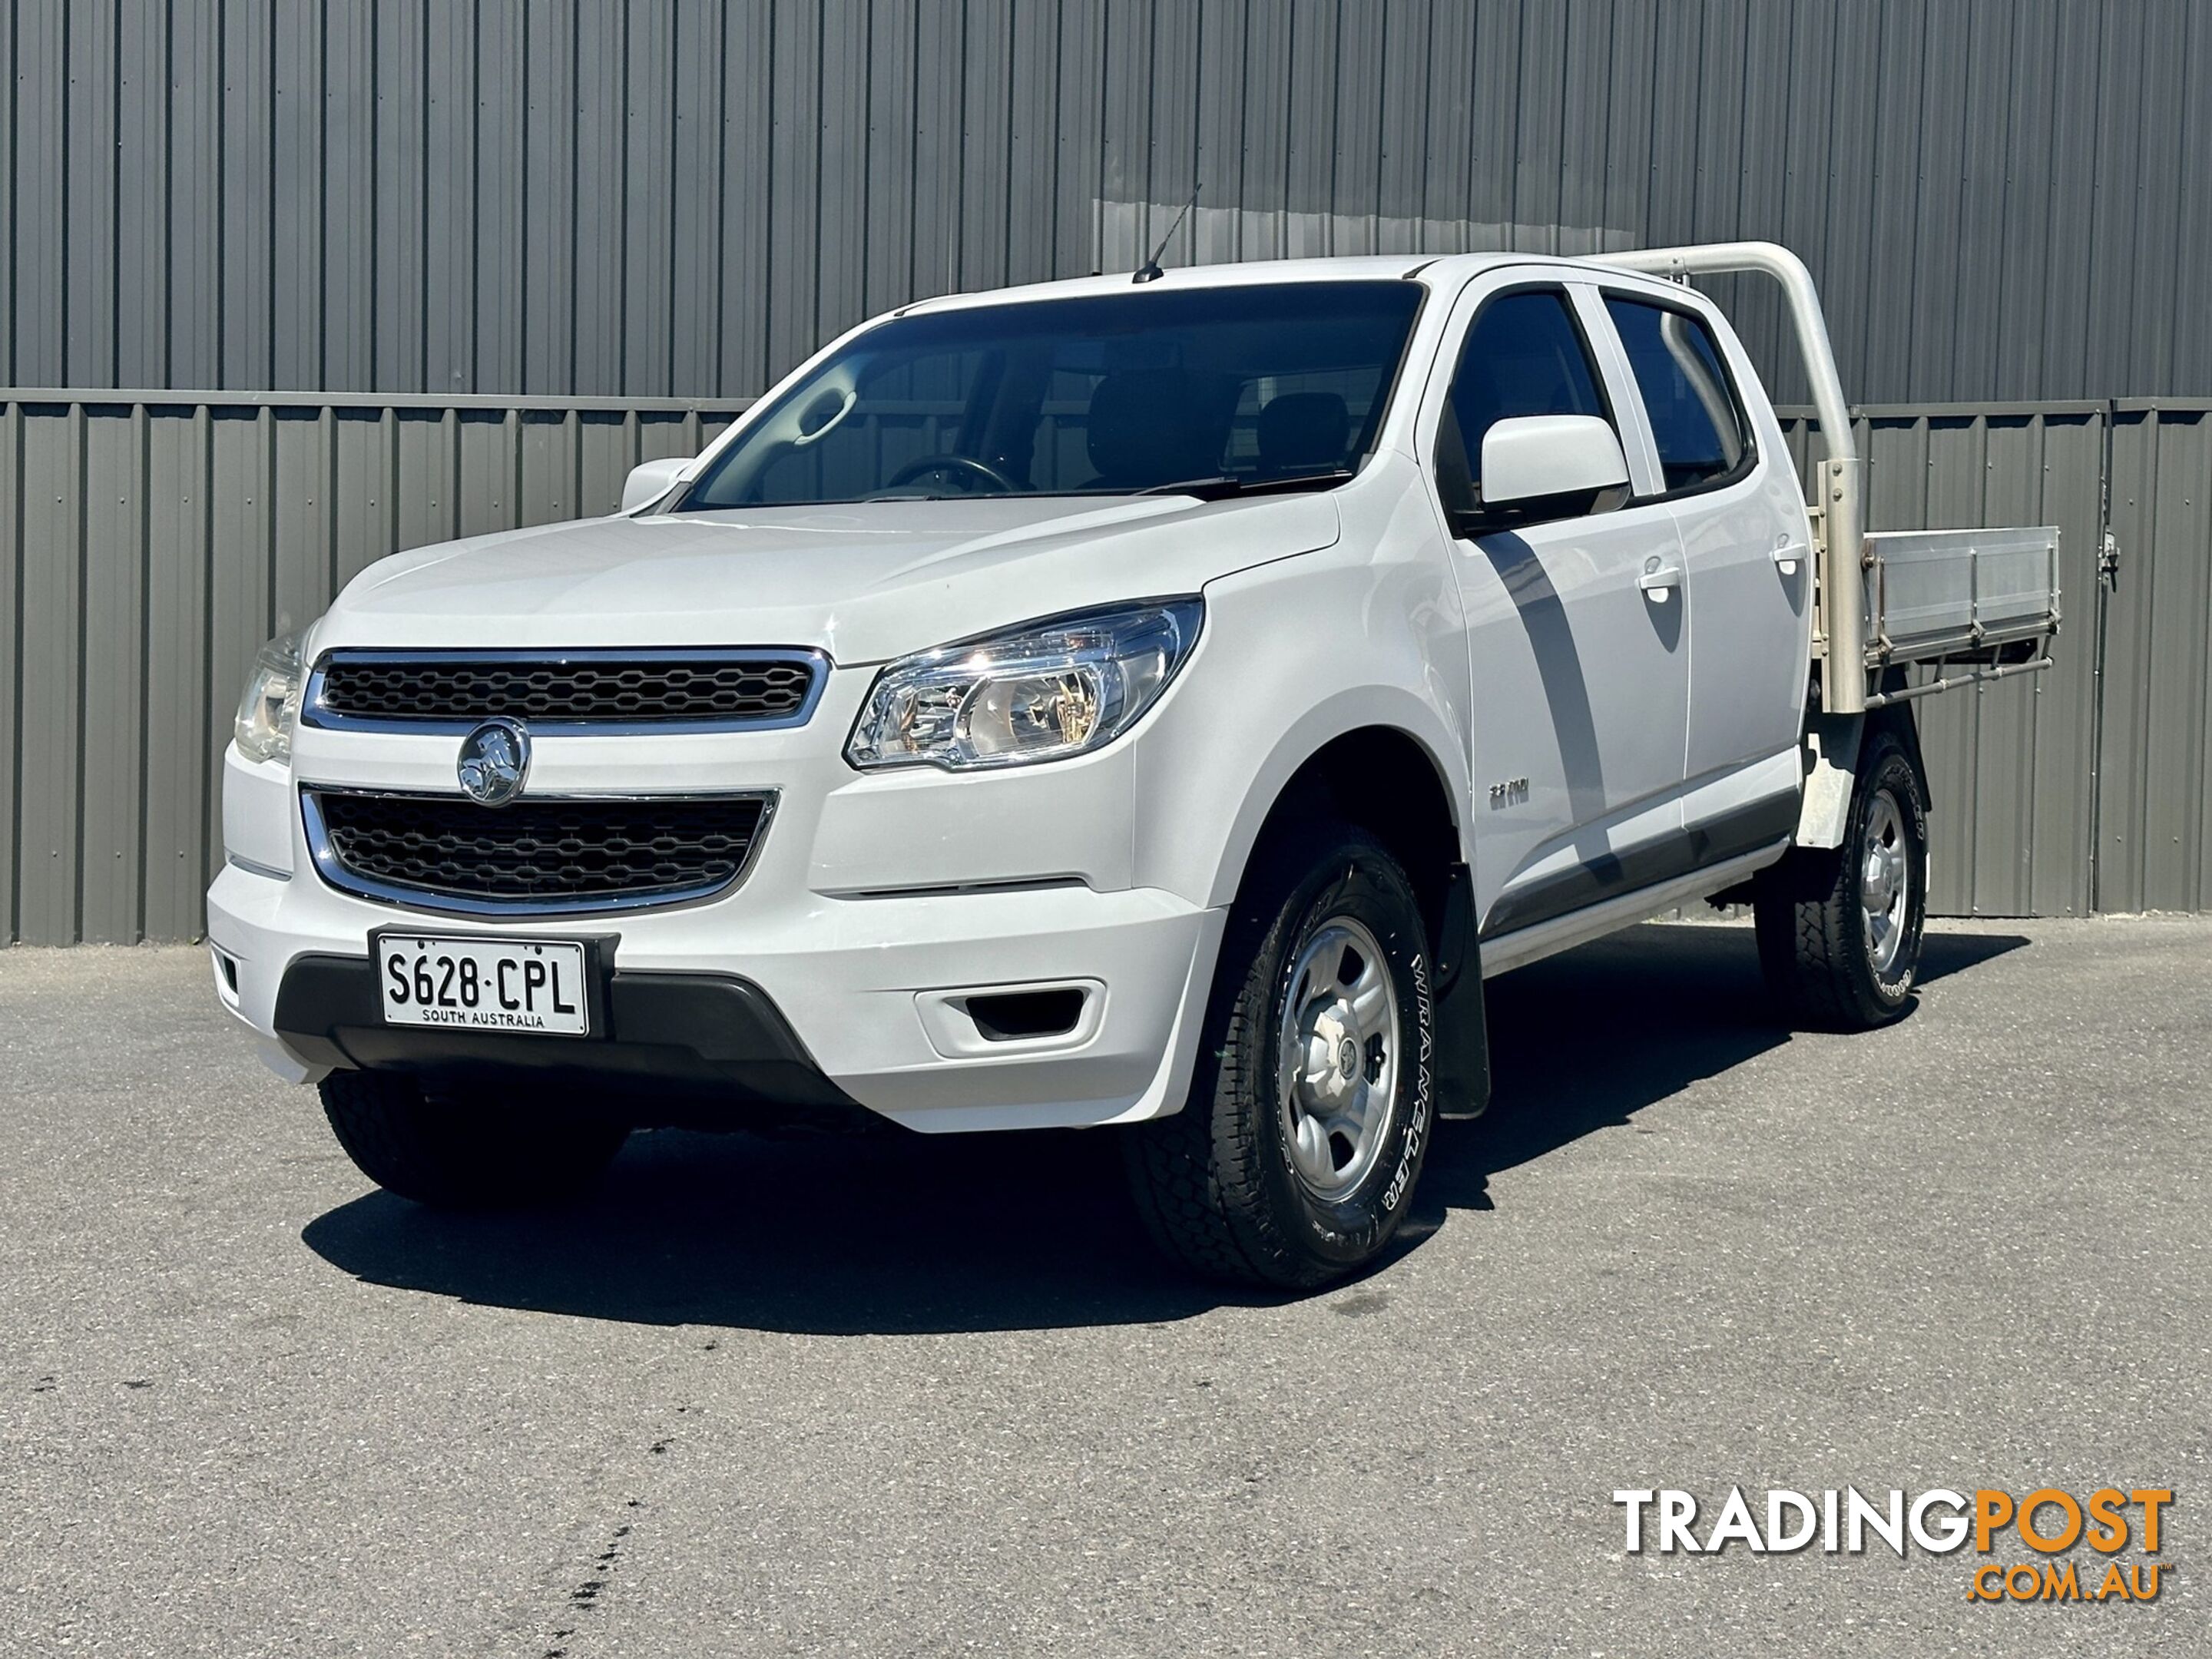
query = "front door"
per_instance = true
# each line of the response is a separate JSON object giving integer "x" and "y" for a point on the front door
{"x": 1575, "y": 613}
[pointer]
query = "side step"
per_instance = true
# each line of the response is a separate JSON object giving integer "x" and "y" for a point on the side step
{"x": 1548, "y": 938}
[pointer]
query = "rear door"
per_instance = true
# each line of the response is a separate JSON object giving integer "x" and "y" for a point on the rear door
{"x": 1747, "y": 575}
{"x": 1580, "y": 674}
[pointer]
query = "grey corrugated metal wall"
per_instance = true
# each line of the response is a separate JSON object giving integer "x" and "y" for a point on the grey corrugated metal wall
{"x": 2002, "y": 198}
{"x": 510, "y": 208}
{"x": 151, "y": 546}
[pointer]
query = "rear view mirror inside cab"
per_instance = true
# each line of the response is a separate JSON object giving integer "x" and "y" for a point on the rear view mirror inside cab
{"x": 1545, "y": 458}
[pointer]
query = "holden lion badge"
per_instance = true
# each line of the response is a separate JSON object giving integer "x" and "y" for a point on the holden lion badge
{"x": 495, "y": 760}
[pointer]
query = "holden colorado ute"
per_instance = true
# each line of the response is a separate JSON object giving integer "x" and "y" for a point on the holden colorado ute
{"x": 1153, "y": 703}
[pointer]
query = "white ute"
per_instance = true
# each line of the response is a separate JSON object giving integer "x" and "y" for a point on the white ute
{"x": 1156, "y": 704}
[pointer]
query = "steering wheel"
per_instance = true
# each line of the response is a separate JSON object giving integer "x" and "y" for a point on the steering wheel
{"x": 924, "y": 464}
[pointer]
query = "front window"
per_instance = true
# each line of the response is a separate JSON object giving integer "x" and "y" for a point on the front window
{"x": 1222, "y": 389}
{"x": 1524, "y": 355}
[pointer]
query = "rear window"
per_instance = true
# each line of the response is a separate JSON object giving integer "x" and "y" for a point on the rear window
{"x": 1696, "y": 419}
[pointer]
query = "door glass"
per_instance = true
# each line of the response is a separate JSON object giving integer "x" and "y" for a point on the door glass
{"x": 1523, "y": 356}
{"x": 1695, "y": 419}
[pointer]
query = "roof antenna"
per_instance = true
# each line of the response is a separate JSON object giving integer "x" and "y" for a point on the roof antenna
{"x": 1149, "y": 272}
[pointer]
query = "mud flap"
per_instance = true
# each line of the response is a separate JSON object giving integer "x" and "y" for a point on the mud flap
{"x": 1462, "y": 1049}
{"x": 1832, "y": 756}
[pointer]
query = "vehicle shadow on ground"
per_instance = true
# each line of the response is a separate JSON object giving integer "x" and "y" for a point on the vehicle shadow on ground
{"x": 1584, "y": 1041}
{"x": 908, "y": 1234}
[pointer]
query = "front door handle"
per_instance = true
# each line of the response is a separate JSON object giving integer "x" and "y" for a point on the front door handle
{"x": 1660, "y": 578}
{"x": 1788, "y": 555}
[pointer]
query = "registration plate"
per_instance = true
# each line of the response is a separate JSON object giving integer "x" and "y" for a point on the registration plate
{"x": 484, "y": 984}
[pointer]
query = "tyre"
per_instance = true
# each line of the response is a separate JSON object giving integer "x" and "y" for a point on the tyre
{"x": 464, "y": 1153}
{"x": 1839, "y": 929}
{"x": 1294, "y": 1161}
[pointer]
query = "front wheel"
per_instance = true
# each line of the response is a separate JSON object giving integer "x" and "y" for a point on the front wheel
{"x": 1839, "y": 930}
{"x": 1294, "y": 1161}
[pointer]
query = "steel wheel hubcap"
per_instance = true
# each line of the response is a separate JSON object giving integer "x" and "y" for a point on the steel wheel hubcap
{"x": 1338, "y": 1047}
{"x": 1885, "y": 882}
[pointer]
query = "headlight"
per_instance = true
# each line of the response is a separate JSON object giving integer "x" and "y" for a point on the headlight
{"x": 271, "y": 706}
{"x": 1040, "y": 692}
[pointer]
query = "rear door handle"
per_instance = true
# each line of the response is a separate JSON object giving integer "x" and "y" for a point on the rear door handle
{"x": 1659, "y": 578}
{"x": 1788, "y": 555}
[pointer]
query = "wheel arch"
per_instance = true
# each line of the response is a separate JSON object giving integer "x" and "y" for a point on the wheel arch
{"x": 1369, "y": 763}
{"x": 1384, "y": 779}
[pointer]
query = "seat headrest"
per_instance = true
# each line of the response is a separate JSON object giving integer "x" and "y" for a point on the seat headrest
{"x": 1144, "y": 429}
{"x": 1303, "y": 431}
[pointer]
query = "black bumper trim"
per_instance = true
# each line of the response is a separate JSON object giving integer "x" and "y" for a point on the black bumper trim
{"x": 698, "y": 1038}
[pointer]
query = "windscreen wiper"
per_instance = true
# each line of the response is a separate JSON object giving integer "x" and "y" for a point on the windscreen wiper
{"x": 1215, "y": 488}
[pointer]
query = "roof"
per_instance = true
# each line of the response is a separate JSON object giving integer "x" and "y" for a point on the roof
{"x": 1365, "y": 267}
{"x": 1370, "y": 267}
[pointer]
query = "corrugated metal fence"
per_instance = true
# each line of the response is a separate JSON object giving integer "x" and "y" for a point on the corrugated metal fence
{"x": 2001, "y": 198}
{"x": 2087, "y": 787}
{"x": 149, "y": 547}
{"x": 2010, "y": 763}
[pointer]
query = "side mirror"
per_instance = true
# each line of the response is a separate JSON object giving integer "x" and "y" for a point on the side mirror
{"x": 649, "y": 482}
{"x": 1532, "y": 455}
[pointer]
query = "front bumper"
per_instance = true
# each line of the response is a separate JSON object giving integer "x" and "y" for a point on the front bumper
{"x": 695, "y": 1049}
{"x": 867, "y": 987}
{"x": 872, "y": 904}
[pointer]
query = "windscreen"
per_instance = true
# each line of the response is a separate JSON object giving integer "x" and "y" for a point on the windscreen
{"x": 1106, "y": 394}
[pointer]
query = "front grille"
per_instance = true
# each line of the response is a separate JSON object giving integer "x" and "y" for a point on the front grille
{"x": 444, "y": 851}
{"x": 600, "y": 688}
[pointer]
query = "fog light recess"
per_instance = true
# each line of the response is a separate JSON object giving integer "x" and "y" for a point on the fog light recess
{"x": 977, "y": 1021}
{"x": 1011, "y": 1015}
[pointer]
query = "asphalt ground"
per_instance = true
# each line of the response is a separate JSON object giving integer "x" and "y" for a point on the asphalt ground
{"x": 935, "y": 1396}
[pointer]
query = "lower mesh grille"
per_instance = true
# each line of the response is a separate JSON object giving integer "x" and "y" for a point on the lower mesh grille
{"x": 564, "y": 853}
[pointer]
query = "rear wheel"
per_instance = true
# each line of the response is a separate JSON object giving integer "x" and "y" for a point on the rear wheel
{"x": 1839, "y": 929}
{"x": 1294, "y": 1161}
{"x": 471, "y": 1153}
